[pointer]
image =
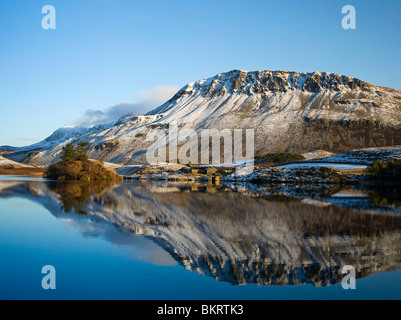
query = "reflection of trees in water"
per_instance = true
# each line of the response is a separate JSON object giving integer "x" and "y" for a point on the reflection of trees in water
{"x": 386, "y": 196}
{"x": 74, "y": 194}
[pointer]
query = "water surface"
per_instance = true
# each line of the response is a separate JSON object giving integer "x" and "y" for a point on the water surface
{"x": 339, "y": 166}
{"x": 169, "y": 241}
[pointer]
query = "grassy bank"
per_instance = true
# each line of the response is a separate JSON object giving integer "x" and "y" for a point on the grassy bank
{"x": 37, "y": 172}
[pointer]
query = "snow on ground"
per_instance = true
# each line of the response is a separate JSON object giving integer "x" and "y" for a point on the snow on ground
{"x": 366, "y": 156}
{"x": 8, "y": 163}
{"x": 317, "y": 154}
{"x": 109, "y": 165}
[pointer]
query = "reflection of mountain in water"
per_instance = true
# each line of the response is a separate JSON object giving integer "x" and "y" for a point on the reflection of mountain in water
{"x": 240, "y": 239}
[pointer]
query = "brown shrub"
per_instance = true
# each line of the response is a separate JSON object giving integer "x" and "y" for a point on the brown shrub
{"x": 81, "y": 170}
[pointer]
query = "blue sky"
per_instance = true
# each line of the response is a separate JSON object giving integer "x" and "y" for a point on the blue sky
{"x": 108, "y": 55}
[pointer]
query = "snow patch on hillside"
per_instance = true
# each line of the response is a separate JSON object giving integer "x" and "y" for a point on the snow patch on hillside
{"x": 317, "y": 154}
{"x": 4, "y": 162}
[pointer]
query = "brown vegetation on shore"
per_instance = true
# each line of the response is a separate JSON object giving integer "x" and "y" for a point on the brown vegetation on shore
{"x": 81, "y": 170}
{"x": 37, "y": 172}
{"x": 75, "y": 165}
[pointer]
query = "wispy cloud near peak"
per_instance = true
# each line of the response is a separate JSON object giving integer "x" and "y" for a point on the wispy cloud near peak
{"x": 148, "y": 100}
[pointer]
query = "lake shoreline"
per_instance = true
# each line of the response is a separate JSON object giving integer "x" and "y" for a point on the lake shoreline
{"x": 288, "y": 174}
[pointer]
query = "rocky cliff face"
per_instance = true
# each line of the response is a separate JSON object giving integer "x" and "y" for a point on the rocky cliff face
{"x": 265, "y": 82}
{"x": 289, "y": 111}
{"x": 232, "y": 237}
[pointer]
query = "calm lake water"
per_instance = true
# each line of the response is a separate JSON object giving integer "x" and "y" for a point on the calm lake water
{"x": 339, "y": 166}
{"x": 137, "y": 240}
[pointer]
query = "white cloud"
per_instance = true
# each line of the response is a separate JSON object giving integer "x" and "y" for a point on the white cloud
{"x": 148, "y": 100}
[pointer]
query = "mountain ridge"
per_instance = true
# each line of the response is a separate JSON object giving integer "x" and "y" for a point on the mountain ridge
{"x": 289, "y": 111}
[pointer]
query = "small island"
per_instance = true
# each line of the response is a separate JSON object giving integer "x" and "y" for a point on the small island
{"x": 75, "y": 165}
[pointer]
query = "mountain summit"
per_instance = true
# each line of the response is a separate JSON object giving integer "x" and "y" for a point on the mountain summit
{"x": 289, "y": 111}
{"x": 264, "y": 82}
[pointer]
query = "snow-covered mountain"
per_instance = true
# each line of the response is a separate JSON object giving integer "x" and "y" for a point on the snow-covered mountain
{"x": 289, "y": 111}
